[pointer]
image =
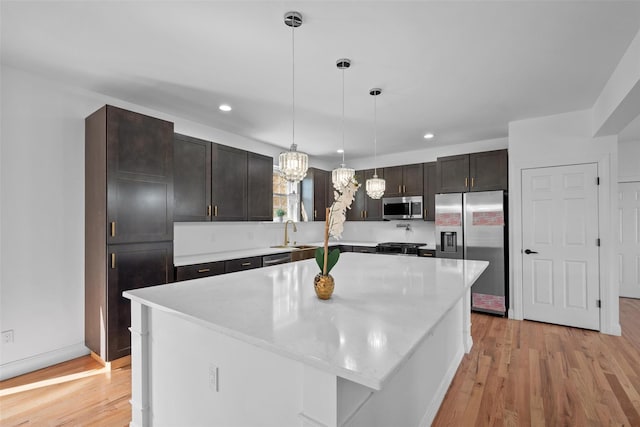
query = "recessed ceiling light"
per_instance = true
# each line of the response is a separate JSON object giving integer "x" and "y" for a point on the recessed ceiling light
{"x": 340, "y": 150}
{"x": 428, "y": 135}
{"x": 224, "y": 107}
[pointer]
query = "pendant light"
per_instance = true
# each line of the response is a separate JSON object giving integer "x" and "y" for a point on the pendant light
{"x": 375, "y": 186}
{"x": 342, "y": 175}
{"x": 293, "y": 164}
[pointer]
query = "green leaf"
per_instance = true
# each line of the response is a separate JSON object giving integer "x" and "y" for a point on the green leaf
{"x": 320, "y": 257}
{"x": 332, "y": 258}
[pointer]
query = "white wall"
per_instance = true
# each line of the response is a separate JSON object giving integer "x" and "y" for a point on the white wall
{"x": 42, "y": 214}
{"x": 565, "y": 139}
{"x": 628, "y": 161}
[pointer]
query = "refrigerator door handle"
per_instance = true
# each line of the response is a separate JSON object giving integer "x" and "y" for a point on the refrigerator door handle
{"x": 529, "y": 251}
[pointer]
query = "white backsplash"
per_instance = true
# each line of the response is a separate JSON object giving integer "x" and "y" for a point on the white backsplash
{"x": 192, "y": 238}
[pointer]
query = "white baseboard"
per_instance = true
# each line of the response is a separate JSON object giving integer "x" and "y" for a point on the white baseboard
{"x": 435, "y": 403}
{"x": 43, "y": 360}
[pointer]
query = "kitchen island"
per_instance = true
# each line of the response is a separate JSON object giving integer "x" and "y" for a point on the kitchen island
{"x": 257, "y": 348}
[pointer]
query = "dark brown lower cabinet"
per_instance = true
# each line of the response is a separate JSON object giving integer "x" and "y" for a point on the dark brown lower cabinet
{"x": 195, "y": 271}
{"x": 107, "y": 312}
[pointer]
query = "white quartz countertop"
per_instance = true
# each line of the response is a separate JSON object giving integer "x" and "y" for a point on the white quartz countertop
{"x": 183, "y": 260}
{"x": 381, "y": 309}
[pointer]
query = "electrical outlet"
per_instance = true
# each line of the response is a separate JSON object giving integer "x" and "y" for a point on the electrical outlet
{"x": 213, "y": 377}
{"x": 7, "y": 336}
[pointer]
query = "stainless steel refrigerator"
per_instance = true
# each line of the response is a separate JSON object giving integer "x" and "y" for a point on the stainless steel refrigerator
{"x": 473, "y": 226}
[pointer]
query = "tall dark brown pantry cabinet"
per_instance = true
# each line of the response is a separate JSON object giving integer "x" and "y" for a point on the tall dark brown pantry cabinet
{"x": 128, "y": 220}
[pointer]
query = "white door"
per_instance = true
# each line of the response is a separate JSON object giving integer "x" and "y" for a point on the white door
{"x": 560, "y": 265}
{"x": 629, "y": 239}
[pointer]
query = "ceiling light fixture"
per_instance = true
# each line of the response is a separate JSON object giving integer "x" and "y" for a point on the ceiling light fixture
{"x": 342, "y": 175}
{"x": 429, "y": 135}
{"x": 375, "y": 186}
{"x": 224, "y": 107}
{"x": 293, "y": 164}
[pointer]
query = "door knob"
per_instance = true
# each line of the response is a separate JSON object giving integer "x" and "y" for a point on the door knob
{"x": 529, "y": 251}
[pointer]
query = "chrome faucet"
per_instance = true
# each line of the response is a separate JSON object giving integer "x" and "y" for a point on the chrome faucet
{"x": 286, "y": 235}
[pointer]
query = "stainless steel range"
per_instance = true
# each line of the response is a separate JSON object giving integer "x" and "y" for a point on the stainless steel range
{"x": 398, "y": 248}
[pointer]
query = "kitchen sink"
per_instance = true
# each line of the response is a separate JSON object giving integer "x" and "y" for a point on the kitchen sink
{"x": 300, "y": 247}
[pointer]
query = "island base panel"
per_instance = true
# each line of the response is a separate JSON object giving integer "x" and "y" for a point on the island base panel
{"x": 172, "y": 361}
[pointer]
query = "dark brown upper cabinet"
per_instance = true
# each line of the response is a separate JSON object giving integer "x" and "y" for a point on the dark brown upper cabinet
{"x": 364, "y": 208}
{"x": 489, "y": 170}
{"x": 214, "y": 182}
{"x": 229, "y": 183}
{"x": 358, "y": 206}
{"x": 192, "y": 178}
{"x": 430, "y": 187}
{"x": 403, "y": 180}
{"x": 314, "y": 190}
{"x": 473, "y": 172}
{"x": 260, "y": 187}
{"x": 138, "y": 154}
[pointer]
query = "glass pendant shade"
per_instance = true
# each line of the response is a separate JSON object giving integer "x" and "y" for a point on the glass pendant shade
{"x": 340, "y": 177}
{"x": 375, "y": 187}
{"x": 293, "y": 164}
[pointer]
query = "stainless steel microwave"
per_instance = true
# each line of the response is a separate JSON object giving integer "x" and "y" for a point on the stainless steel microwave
{"x": 402, "y": 207}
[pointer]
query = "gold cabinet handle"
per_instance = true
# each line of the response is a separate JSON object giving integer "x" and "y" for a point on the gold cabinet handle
{"x": 204, "y": 270}
{"x": 466, "y": 182}
{"x": 426, "y": 212}
{"x": 472, "y": 179}
{"x": 209, "y": 210}
{"x": 315, "y": 213}
{"x": 113, "y": 260}
{"x": 400, "y": 189}
{"x": 427, "y": 254}
{"x": 404, "y": 189}
{"x": 113, "y": 228}
{"x": 366, "y": 214}
{"x": 215, "y": 210}
{"x": 246, "y": 264}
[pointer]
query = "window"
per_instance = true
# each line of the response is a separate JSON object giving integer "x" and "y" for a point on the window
{"x": 285, "y": 198}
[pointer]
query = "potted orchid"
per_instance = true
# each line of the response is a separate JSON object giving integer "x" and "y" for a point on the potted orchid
{"x": 334, "y": 225}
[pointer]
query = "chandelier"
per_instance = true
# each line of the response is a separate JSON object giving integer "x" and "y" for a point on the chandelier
{"x": 293, "y": 164}
{"x": 341, "y": 176}
{"x": 375, "y": 186}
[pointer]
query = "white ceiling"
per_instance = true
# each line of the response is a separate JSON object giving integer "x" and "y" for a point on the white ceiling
{"x": 462, "y": 70}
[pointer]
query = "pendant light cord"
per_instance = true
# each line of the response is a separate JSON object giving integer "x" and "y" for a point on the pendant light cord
{"x": 343, "y": 117}
{"x": 293, "y": 85}
{"x": 375, "y": 136}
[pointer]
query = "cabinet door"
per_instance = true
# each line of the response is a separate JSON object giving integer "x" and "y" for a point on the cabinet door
{"x": 195, "y": 271}
{"x": 131, "y": 266}
{"x": 429, "y": 196}
{"x": 242, "y": 264}
{"x": 412, "y": 180}
{"x": 191, "y": 179}
{"x": 139, "y": 177}
{"x": 373, "y": 207}
{"x": 393, "y": 176}
{"x": 260, "y": 187}
{"x": 357, "y": 211}
{"x": 489, "y": 170}
{"x": 321, "y": 182}
{"x": 453, "y": 174}
{"x": 229, "y": 183}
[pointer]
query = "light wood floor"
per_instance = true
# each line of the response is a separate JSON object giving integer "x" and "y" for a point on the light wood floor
{"x": 517, "y": 374}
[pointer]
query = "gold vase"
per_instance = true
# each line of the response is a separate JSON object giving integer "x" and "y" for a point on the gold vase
{"x": 323, "y": 285}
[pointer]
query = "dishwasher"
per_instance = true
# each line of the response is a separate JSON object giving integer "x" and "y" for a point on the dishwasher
{"x": 275, "y": 259}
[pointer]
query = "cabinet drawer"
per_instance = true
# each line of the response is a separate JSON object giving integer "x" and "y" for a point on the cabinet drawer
{"x": 242, "y": 264}
{"x": 194, "y": 271}
{"x": 427, "y": 253}
{"x": 364, "y": 249}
